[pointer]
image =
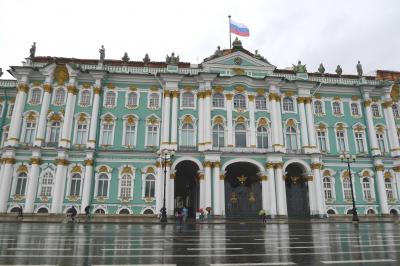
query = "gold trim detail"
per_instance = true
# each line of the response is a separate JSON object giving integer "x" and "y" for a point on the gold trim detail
{"x": 36, "y": 161}
{"x": 316, "y": 166}
{"x": 72, "y": 89}
{"x": 9, "y": 160}
{"x": 367, "y": 103}
{"x": 219, "y": 89}
{"x": 97, "y": 90}
{"x": 61, "y": 74}
{"x": 263, "y": 178}
{"x": 47, "y": 88}
{"x": 23, "y": 87}
{"x": 309, "y": 178}
{"x": 88, "y": 162}
{"x": 63, "y": 162}
{"x": 379, "y": 167}
{"x": 127, "y": 170}
{"x": 229, "y": 96}
{"x": 251, "y": 98}
{"x": 207, "y": 164}
{"x": 216, "y": 164}
{"x": 396, "y": 169}
{"x": 387, "y": 104}
{"x": 221, "y": 177}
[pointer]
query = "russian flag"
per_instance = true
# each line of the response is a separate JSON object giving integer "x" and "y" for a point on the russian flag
{"x": 239, "y": 29}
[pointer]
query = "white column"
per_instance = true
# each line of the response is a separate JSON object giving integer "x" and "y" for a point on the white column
{"x": 379, "y": 168}
{"x": 279, "y": 114}
{"x": 216, "y": 189}
{"x": 59, "y": 186}
{"x": 87, "y": 183}
{"x": 94, "y": 118}
{"x": 171, "y": 190}
{"x": 32, "y": 185}
{"x": 391, "y": 123}
{"x": 319, "y": 192}
{"x": 310, "y": 124}
{"x": 41, "y": 131}
{"x": 274, "y": 120}
{"x": 207, "y": 120}
{"x": 174, "y": 119}
{"x": 311, "y": 195}
{"x": 281, "y": 190}
{"x": 8, "y": 165}
{"x": 159, "y": 189}
{"x": 69, "y": 114}
{"x": 272, "y": 190}
{"x": 202, "y": 190}
{"x": 201, "y": 141}
{"x": 303, "y": 123}
{"x": 16, "y": 120}
{"x": 207, "y": 179}
{"x": 166, "y": 115}
{"x": 264, "y": 192}
{"x": 396, "y": 170}
{"x": 253, "y": 143}
{"x": 371, "y": 129}
{"x": 229, "y": 120}
{"x": 221, "y": 178}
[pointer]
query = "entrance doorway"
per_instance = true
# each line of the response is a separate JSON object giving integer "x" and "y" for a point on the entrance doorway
{"x": 242, "y": 191}
{"x": 298, "y": 205}
{"x": 187, "y": 186}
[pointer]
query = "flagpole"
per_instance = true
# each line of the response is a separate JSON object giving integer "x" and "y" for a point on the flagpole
{"x": 230, "y": 40}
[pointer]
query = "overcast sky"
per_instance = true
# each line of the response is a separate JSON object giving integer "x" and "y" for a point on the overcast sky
{"x": 313, "y": 31}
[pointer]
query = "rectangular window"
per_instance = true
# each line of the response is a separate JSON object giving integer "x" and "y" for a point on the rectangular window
{"x": 21, "y": 185}
{"x": 360, "y": 142}
{"x": 322, "y": 141}
{"x": 81, "y": 134}
{"x": 107, "y": 134}
{"x": 341, "y": 141}
{"x": 381, "y": 142}
{"x": 152, "y": 136}
{"x": 102, "y": 188}
{"x": 130, "y": 135}
{"x": 30, "y": 132}
{"x": 347, "y": 189}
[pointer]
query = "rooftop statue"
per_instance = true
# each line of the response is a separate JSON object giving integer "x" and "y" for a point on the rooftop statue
{"x": 173, "y": 60}
{"x": 125, "y": 58}
{"x": 339, "y": 71}
{"x": 359, "y": 69}
{"x": 237, "y": 44}
{"x": 146, "y": 59}
{"x": 321, "y": 69}
{"x": 102, "y": 52}
{"x": 32, "y": 51}
{"x": 218, "y": 52}
{"x": 300, "y": 68}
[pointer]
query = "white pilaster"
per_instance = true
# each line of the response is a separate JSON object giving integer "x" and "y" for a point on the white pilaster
{"x": 166, "y": 115}
{"x": 229, "y": 120}
{"x": 32, "y": 185}
{"x": 371, "y": 128}
{"x": 6, "y": 180}
{"x": 174, "y": 119}
{"x": 87, "y": 182}
{"x": 319, "y": 192}
{"x": 69, "y": 114}
{"x": 383, "y": 201}
{"x": 207, "y": 120}
{"x": 310, "y": 124}
{"x": 274, "y": 120}
{"x": 200, "y": 141}
{"x": 216, "y": 189}
{"x": 311, "y": 195}
{"x": 392, "y": 129}
{"x": 303, "y": 123}
{"x": 221, "y": 178}
{"x": 264, "y": 191}
{"x": 279, "y": 114}
{"x": 396, "y": 170}
{"x": 253, "y": 138}
{"x": 202, "y": 190}
{"x": 272, "y": 190}
{"x": 208, "y": 181}
{"x": 41, "y": 130}
{"x": 159, "y": 189}
{"x": 170, "y": 191}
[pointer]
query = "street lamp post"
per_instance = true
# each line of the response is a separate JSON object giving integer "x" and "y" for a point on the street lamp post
{"x": 165, "y": 156}
{"x": 347, "y": 158}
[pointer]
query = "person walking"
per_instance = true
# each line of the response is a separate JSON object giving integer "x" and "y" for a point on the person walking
{"x": 185, "y": 211}
{"x": 87, "y": 211}
{"x": 20, "y": 210}
{"x": 264, "y": 217}
{"x": 73, "y": 213}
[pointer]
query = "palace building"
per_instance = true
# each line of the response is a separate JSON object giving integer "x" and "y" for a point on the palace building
{"x": 247, "y": 136}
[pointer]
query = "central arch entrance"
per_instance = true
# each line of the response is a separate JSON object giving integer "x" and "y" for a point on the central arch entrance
{"x": 242, "y": 190}
{"x": 298, "y": 205}
{"x": 187, "y": 186}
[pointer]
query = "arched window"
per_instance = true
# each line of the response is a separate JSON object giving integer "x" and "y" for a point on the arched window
{"x": 218, "y": 100}
{"x": 240, "y": 136}
{"x": 102, "y": 186}
{"x": 261, "y": 103}
{"x": 126, "y": 186}
{"x": 366, "y": 185}
{"x": 55, "y": 128}
{"x": 328, "y": 191}
{"x": 346, "y": 189}
{"x": 370, "y": 211}
{"x": 330, "y": 211}
{"x": 187, "y": 99}
{"x": 30, "y": 131}
{"x": 149, "y": 188}
{"x": 21, "y": 184}
{"x": 47, "y": 185}
{"x": 337, "y": 108}
{"x": 85, "y": 98}
{"x": 36, "y": 95}
{"x": 187, "y": 135}
{"x": 81, "y": 132}
{"x": 75, "y": 188}
{"x": 110, "y": 99}
{"x": 59, "y": 97}
{"x": 43, "y": 210}
{"x": 318, "y": 107}
{"x": 375, "y": 110}
{"x": 148, "y": 211}
{"x": 100, "y": 211}
{"x": 389, "y": 189}
{"x": 354, "y": 109}
{"x": 239, "y": 101}
{"x": 154, "y": 100}
{"x": 288, "y": 105}
{"x": 291, "y": 138}
{"x": 262, "y": 137}
{"x": 124, "y": 211}
{"x": 132, "y": 99}
{"x": 395, "y": 109}
{"x": 218, "y": 136}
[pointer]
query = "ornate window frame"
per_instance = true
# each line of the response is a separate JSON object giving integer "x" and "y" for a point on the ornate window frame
{"x": 381, "y": 129}
{"x": 81, "y": 118}
{"x": 107, "y": 119}
{"x": 129, "y": 119}
{"x": 378, "y": 109}
{"x": 30, "y": 96}
{"x": 264, "y": 122}
{"x": 54, "y": 100}
{"x": 323, "y": 127}
{"x": 6, "y": 130}
{"x": 343, "y": 175}
{"x": 265, "y": 102}
{"x": 20, "y": 168}
{"x": 181, "y": 100}
{"x": 106, "y": 92}
{"x": 343, "y": 128}
{"x": 291, "y": 122}
{"x": 240, "y": 120}
{"x": 130, "y": 171}
{"x": 359, "y": 110}
{"x": 330, "y": 174}
{"x": 188, "y": 120}
{"x": 246, "y": 102}
{"x": 389, "y": 177}
{"x": 294, "y": 104}
{"x": 223, "y": 98}
{"x": 360, "y": 128}
{"x": 323, "y": 113}
{"x": 107, "y": 171}
{"x": 152, "y": 120}
{"x": 219, "y": 120}
{"x": 136, "y": 105}
{"x": 46, "y": 168}
{"x": 72, "y": 170}
{"x": 369, "y": 175}
{"x": 53, "y": 117}
{"x": 340, "y": 105}
{"x": 81, "y": 104}
{"x": 147, "y": 171}
{"x": 149, "y": 95}
{"x": 30, "y": 116}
